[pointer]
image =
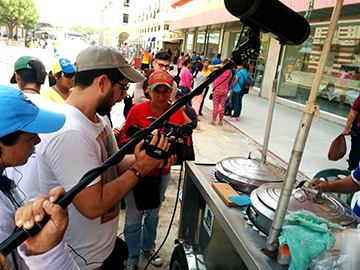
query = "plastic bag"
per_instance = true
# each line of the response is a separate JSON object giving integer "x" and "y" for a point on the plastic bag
{"x": 307, "y": 236}
{"x": 327, "y": 261}
{"x": 337, "y": 148}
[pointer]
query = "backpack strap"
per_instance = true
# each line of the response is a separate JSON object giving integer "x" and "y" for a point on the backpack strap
{"x": 244, "y": 80}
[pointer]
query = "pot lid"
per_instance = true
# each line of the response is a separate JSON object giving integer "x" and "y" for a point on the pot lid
{"x": 250, "y": 170}
{"x": 323, "y": 205}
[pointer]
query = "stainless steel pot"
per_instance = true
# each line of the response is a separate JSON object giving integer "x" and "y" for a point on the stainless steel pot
{"x": 246, "y": 174}
{"x": 264, "y": 201}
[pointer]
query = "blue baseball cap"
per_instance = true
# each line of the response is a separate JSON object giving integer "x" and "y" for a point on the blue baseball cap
{"x": 19, "y": 113}
{"x": 63, "y": 65}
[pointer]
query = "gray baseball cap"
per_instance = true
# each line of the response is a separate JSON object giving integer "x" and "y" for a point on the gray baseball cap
{"x": 106, "y": 57}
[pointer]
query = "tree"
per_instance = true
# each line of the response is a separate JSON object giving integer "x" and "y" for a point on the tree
{"x": 90, "y": 30}
{"x": 59, "y": 27}
{"x": 18, "y": 13}
{"x": 77, "y": 28}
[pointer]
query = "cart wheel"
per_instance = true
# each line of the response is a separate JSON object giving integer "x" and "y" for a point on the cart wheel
{"x": 178, "y": 259}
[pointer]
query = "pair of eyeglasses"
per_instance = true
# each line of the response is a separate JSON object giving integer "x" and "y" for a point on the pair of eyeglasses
{"x": 68, "y": 75}
{"x": 162, "y": 65}
{"x": 124, "y": 87}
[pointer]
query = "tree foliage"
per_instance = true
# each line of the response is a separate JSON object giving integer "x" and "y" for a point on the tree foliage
{"x": 59, "y": 27}
{"x": 88, "y": 30}
{"x": 18, "y": 13}
{"x": 77, "y": 28}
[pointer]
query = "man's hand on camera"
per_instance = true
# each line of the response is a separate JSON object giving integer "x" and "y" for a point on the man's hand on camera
{"x": 145, "y": 163}
{"x": 52, "y": 233}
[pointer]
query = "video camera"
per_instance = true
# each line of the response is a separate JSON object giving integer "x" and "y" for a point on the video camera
{"x": 177, "y": 135}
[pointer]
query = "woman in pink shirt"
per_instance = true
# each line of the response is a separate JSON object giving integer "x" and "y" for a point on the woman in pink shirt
{"x": 180, "y": 62}
{"x": 221, "y": 88}
{"x": 186, "y": 77}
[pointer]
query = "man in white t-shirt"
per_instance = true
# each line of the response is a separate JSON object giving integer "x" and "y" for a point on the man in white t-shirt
{"x": 85, "y": 142}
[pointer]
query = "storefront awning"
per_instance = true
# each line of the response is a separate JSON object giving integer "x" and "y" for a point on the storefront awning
{"x": 132, "y": 40}
{"x": 172, "y": 40}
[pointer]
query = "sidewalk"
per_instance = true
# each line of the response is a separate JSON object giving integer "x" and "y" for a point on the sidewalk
{"x": 284, "y": 129}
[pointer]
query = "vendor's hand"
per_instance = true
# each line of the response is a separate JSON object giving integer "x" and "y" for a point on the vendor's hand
{"x": 53, "y": 231}
{"x": 346, "y": 131}
{"x": 145, "y": 163}
{"x": 325, "y": 185}
{"x": 117, "y": 131}
{"x": 183, "y": 108}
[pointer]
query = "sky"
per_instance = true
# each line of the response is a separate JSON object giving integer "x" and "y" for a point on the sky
{"x": 71, "y": 12}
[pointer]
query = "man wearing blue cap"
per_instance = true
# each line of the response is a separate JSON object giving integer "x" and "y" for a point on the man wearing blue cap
{"x": 86, "y": 141}
{"x": 20, "y": 121}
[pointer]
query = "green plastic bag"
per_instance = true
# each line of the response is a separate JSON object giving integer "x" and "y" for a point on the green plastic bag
{"x": 307, "y": 236}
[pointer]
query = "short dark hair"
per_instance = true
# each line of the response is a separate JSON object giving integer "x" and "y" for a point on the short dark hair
{"x": 162, "y": 56}
{"x": 182, "y": 53}
{"x": 34, "y": 74}
{"x": 218, "y": 55}
{"x": 186, "y": 62}
{"x": 84, "y": 79}
{"x": 10, "y": 139}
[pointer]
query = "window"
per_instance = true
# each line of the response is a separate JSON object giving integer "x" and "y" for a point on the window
{"x": 126, "y": 18}
{"x": 166, "y": 27}
{"x": 213, "y": 39}
{"x": 152, "y": 28}
{"x": 189, "y": 43}
{"x": 200, "y": 42}
{"x": 159, "y": 27}
{"x": 126, "y": 3}
{"x": 340, "y": 81}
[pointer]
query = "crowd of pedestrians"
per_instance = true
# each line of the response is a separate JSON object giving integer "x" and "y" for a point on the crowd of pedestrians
{"x": 74, "y": 111}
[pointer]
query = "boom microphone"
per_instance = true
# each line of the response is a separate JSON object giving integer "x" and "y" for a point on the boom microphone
{"x": 272, "y": 17}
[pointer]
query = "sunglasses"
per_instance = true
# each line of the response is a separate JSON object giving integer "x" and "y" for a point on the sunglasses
{"x": 124, "y": 87}
{"x": 68, "y": 75}
{"x": 162, "y": 65}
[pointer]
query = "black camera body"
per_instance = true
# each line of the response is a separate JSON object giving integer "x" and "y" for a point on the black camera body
{"x": 177, "y": 135}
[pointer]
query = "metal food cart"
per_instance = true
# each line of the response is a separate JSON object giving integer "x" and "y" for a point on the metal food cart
{"x": 219, "y": 236}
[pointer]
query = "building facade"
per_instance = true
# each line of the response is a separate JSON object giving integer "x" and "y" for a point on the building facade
{"x": 153, "y": 22}
{"x": 207, "y": 26}
{"x": 117, "y": 22}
